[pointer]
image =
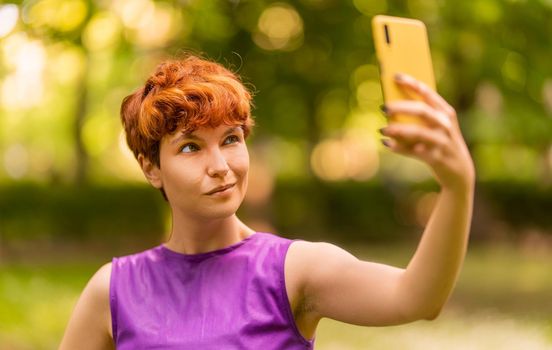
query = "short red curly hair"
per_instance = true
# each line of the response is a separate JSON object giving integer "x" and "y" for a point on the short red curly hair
{"x": 187, "y": 93}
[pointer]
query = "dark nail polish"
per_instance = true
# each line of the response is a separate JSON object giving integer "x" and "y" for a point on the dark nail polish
{"x": 382, "y": 131}
{"x": 385, "y": 142}
{"x": 399, "y": 77}
{"x": 383, "y": 109}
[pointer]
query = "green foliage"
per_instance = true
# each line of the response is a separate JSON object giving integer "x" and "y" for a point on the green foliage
{"x": 79, "y": 213}
{"x": 341, "y": 212}
{"x": 351, "y": 211}
{"x": 304, "y": 57}
{"x": 520, "y": 205}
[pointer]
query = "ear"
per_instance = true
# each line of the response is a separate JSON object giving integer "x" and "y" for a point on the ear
{"x": 151, "y": 171}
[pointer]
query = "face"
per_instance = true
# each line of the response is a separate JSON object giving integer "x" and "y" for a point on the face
{"x": 204, "y": 173}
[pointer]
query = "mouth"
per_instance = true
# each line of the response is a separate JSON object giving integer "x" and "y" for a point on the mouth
{"x": 220, "y": 189}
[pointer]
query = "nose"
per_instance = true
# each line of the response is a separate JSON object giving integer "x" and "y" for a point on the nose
{"x": 218, "y": 166}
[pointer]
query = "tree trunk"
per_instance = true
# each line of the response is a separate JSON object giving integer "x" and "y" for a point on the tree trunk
{"x": 81, "y": 172}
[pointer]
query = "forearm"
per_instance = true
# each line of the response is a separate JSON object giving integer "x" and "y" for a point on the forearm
{"x": 431, "y": 274}
{"x": 424, "y": 286}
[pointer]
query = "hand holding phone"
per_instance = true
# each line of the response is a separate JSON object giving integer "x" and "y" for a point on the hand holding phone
{"x": 402, "y": 46}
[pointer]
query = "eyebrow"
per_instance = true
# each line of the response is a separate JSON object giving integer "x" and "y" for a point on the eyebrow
{"x": 192, "y": 136}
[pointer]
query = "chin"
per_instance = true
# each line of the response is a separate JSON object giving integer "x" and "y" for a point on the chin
{"x": 221, "y": 211}
{"x": 218, "y": 214}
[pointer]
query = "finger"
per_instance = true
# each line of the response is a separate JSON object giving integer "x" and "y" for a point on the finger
{"x": 428, "y": 94}
{"x": 412, "y": 134}
{"x": 430, "y": 155}
{"x": 431, "y": 116}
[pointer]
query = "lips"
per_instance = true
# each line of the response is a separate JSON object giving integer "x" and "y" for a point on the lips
{"x": 220, "y": 189}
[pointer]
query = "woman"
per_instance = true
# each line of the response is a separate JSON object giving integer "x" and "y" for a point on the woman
{"x": 217, "y": 284}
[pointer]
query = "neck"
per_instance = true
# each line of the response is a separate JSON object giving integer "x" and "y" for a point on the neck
{"x": 200, "y": 236}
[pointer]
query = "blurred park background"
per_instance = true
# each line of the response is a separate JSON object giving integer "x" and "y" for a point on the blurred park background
{"x": 72, "y": 195}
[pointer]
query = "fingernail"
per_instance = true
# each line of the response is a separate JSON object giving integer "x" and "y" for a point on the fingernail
{"x": 382, "y": 131}
{"x": 399, "y": 76}
{"x": 383, "y": 108}
{"x": 385, "y": 143}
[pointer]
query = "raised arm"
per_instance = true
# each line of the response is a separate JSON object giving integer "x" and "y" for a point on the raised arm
{"x": 90, "y": 324}
{"x": 432, "y": 272}
{"x": 337, "y": 285}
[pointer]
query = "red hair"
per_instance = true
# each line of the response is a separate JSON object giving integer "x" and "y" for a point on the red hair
{"x": 183, "y": 94}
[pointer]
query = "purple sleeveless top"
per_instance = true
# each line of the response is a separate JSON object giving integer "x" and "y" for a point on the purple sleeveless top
{"x": 231, "y": 298}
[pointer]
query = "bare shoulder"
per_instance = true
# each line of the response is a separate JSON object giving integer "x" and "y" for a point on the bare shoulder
{"x": 304, "y": 263}
{"x": 99, "y": 283}
{"x": 96, "y": 292}
{"x": 91, "y": 318}
{"x": 302, "y": 254}
{"x": 307, "y": 259}
{"x": 317, "y": 264}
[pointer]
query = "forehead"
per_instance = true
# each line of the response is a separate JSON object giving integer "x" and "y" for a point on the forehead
{"x": 204, "y": 132}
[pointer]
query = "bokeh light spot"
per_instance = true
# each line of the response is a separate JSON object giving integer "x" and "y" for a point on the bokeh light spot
{"x": 547, "y": 95}
{"x": 67, "y": 65}
{"x": 16, "y": 161}
{"x": 97, "y": 133}
{"x": 279, "y": 28}
{"x": 333, "y": 109}
{"x": 150, "y": 24}
{"x": 288, "y": 159}
{"x": 353, "y": 156}
{"x": 489, "y": 98}
{"x": 371, "y": 8}
{"x": 487, "y": 11}
{"x": 61, "y": 15}
{"x": 8, "y": 18}
{"x": 364, "y": 73}
{"x": 513, "y": 71}
{"x": 369, "y": 94}
{"x": 23, "y": 87}
{"x": 102, "y": 32}
{"x": 134, "y": 13}
{"x": 328, "y": 161}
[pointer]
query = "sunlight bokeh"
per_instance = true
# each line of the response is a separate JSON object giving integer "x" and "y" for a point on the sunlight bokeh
{"x": 280, "y": 28}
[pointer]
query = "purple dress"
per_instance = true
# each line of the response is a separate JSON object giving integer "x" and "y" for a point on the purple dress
{"x": 231, "y": 298}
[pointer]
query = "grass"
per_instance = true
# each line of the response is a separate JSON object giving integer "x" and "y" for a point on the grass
{"x": 502, "y": 301}
{"x": 36, "y": 301}
{"x": 453, "y": 330}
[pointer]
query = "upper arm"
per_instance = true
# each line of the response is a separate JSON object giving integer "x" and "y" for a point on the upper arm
{"x": 90, "y": 324}
{"x": 339, "y": 286}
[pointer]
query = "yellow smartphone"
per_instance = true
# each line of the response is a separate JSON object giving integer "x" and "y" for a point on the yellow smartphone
{"x": 402, "y": 46}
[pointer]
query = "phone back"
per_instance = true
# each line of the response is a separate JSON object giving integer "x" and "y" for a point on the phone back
{"x": 401, "y": 46}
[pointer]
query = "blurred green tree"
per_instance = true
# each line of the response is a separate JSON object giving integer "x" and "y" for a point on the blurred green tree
{"x": 310, "y": 61}
{"x": 65, "y": 66}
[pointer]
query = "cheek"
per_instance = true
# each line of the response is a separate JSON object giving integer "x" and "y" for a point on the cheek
{"x": 242, "y": 164}
{"x": 181, "y": 174}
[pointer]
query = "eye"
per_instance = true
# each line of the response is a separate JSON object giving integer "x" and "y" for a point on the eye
{"x": 189, "y": 148}
{"x": 231, "y": 139}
